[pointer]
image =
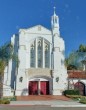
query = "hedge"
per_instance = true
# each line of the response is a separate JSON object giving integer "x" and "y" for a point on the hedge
{"x": 71, "y": 92}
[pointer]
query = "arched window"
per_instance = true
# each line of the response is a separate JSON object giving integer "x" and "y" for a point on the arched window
{"x": 40, "y": 53}
{"x": 47, "y": 55}
{"x": 32, "y": 55}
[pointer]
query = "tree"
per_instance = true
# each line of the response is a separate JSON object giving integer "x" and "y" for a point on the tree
{"x": 82, "y": 53}
{"x": 73, "y": 61}
{"x": 82, "y": 48}
{"x": 71, "y": 67}
{"x": 2, "y": 67}
{"x": 6, "y": 53}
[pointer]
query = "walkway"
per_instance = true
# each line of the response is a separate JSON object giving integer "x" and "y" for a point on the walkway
{"x": 42, "y": 98}
{"x": 50, "y": 101}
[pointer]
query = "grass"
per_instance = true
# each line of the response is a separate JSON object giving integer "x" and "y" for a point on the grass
{"x": 81, "y": 99}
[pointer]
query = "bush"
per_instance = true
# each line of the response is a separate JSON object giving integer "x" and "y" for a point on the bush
{"x": 83, "y": 101}
{"x": 10, "y": 98}
{"x": 2, "y": 101}
{"x": 71, "y": 92}
{"x": 13, "y": 98}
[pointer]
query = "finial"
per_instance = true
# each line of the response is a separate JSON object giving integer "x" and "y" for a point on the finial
{"x": 54, "y": 10}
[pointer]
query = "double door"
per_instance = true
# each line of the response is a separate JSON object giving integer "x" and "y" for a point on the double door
{"x": 39, "y": 88}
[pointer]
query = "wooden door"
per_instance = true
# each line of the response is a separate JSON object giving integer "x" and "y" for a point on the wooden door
{"x": 81, "y": 87}
{"x": 44, "y": 87}
{"x": 33, "y": 88}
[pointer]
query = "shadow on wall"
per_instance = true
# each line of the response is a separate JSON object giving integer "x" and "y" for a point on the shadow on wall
{"x": 24, "y": 92}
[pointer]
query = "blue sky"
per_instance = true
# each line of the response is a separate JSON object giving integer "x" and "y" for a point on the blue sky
{"x": 16, "y": 14}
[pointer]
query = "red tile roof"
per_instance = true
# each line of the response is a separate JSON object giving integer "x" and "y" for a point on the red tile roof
{"x": 76, "y": 74}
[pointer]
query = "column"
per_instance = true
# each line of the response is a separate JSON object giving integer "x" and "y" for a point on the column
{"x": 39, "y": 88}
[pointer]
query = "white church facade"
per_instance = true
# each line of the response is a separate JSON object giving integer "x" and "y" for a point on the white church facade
{"x": 41, "y": 69}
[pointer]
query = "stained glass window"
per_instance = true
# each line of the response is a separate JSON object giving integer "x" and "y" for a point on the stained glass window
{"x": 46, "y": 55}
{"x": 32, "y": 55}
{"x": 37, "y": 46}
{"x": 40, "y": 53}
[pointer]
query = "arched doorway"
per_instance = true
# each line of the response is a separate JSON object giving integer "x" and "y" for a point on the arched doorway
{"x": 81, "y": 87}
{"x": 40, "y": 86}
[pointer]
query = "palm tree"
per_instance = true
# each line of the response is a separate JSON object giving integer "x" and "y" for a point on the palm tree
{"x": 16, "y": 60}
{"x": 2, "y": 67}
{"x": 6, "y": 53}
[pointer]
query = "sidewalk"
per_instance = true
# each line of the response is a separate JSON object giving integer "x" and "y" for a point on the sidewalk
{"x": 55, "y": 103}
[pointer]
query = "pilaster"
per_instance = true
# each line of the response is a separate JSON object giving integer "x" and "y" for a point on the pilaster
{"x": 43, "y": 54}
{"x": 36, "y": 57}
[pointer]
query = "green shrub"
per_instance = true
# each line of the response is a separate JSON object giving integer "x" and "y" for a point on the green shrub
{"x": 13, "y": 98}
{"x": 71, "y": 92}
{"x": 2, "y": 101}
{"x": 6, "y": 101}
{"x": 10, "y": 98}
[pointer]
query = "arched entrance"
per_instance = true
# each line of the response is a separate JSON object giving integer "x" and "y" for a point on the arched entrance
{"x": 39, "y": 86}
{"x": 81, "y": 87}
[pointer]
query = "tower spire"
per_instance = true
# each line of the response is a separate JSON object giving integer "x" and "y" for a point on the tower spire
{"x": 54, "y": 11}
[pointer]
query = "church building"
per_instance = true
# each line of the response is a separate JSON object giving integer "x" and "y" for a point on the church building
{"x": 40, "y": 69}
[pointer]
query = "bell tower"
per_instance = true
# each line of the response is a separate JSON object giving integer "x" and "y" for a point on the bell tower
{"x": 58, "y": 48}
{"x": 55, "y": 23}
